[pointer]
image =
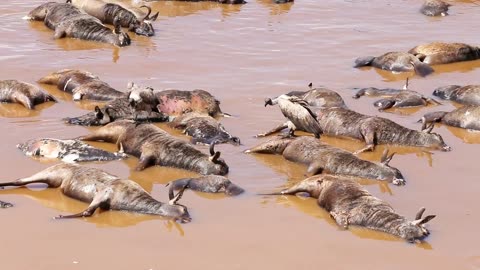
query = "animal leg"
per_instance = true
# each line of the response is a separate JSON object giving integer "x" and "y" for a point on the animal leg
{"x": 432, "y": 101}
{"x": 340, "y": 218}
{"x": 101, "y": 197}
{"x": 274, "y": 130}
{"x": 314, "y": 169}
{"x": 369, "y": 137}
{"x": 25, "y": 181}
{"x": 25, "y": 101}
{"x": 144, "y": 162}
{"x": 59, "y": 32}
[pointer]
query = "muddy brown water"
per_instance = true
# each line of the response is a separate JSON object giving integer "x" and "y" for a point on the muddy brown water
{"x": 242, "y": 54}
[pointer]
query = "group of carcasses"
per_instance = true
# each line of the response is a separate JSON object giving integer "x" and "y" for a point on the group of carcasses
{"x": 126, "y": 120}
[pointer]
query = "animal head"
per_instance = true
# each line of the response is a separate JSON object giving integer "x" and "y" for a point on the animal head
{"x": 103, "y": 116}
{"x": 122, "y": 38}
{"x": 219, "y": 166}
{"x": 177, "y": 211}
{"x": 445, "y": 92}
{"x": 434, "y": 140}
{"x": 144, "y": 27}
{"x": 235, "y": 141}
{"x": 416, "y": 230}
{"x": 390, "y": 172}
{"x": 31, "y": 147}
{"x": 139, "y": 94}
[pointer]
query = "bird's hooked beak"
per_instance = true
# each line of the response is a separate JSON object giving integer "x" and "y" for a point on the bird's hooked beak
{"x": 268, "y": 101}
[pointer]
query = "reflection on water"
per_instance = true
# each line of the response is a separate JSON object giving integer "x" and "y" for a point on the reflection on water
{"x": 242, "y": 54}
{"x": 55, "y": 199}
{"x": 466, "y": 135}
{"x": 310, "y": 207}
{"x": 15, "y": 110}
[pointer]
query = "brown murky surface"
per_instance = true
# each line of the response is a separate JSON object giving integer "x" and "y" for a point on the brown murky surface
{"x": 242, "y": 54}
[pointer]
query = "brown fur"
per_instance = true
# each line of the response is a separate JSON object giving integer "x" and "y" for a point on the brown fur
{"x": 320, "y": 97}
{"x": 109, "y": 12}
{"x": 376, "y": 130}
{"x": 102, "y": 190}
{"x": 396, "y": 98}
{"x": 397, "y": 62}
{"x": 436, "y": 53}
{"x": 207, "y": 183}
{"x": 154, "y": 146}
{"x": 28, "y": 95}
{"x": 82, "y": 84}
{"x": 350, "y": 204}
{"x": 435, "y": 8}
{"x": 469, "y": 94}
{"x": 467, "y": 117}
{"x": 68, "y": 21}
{"x": 373, "y": 130}
{"x": 320, "y": 157}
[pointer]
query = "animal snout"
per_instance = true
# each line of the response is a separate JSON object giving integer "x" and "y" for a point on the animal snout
{"x": 446, "y": 148}
{"x": 268, "y": 101}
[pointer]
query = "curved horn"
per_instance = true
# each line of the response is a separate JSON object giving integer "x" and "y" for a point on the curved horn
{"x": 148, "y": 13}
{"x": 178, "y": 196}
{"x": 212, "y": 149}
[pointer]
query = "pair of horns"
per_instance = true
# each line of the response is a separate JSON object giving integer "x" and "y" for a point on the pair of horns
{"x": 213, "y": 155}
{"x": 149, "y": 11}
{"x": 419, "y": 220}
{"x": 426, "y": 127}
{"x": 386, "y": 158}
{"x": 177, "y": 197}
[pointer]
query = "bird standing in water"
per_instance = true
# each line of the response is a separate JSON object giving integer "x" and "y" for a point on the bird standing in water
{"x": 298, "y": 113}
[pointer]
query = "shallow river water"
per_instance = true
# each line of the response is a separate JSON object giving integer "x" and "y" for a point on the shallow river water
{"x": 242, "y": 54}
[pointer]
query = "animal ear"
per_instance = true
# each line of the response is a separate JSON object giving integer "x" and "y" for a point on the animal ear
{"x": 420, "y": 213}
{"x": 154, "y": 17}
{"x": 420, "y": 56}
{"x": 98, "y": 112}
{"x": 424, "y": 220}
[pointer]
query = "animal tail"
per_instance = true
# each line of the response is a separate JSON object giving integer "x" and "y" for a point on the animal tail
{"x": 363, "y": 61}
{"x": 422, "y": 69}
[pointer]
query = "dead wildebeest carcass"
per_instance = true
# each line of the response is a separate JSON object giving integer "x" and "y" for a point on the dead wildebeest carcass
{"x": 82, "y": 84}
{"x": 349, "y": 204}
{"x": 103, "y": 190}
{"x": 154, "y": 146}
{"x": 110, "y": 12}
{"x": 321, "y": 157}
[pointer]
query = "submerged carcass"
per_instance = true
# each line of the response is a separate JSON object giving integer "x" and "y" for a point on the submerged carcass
{"x": 349, "y": 204}
{"x": 103, "y": 190}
